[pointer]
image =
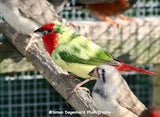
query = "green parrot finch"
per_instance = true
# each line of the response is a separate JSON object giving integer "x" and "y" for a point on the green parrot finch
{"x": 76, "y": 53}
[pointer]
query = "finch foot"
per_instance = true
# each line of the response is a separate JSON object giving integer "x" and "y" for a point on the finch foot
{"x": 78, "y": 87}
{"x": 111, "y": 21}
{"x": 106, "y": 18}
{"x": 72, "y": 26}
{"x": 30, "y": 42}
{"x": 123, "y": 17}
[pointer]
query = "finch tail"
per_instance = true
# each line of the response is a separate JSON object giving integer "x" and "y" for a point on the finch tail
{"x": 124, "y": 67}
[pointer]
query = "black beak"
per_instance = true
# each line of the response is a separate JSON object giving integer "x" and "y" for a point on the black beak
{"x": 39, "y": 30}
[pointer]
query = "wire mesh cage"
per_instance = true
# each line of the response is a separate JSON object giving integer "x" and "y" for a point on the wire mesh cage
{"x": 142, "y": 8}
{"x": 28, "y": 94}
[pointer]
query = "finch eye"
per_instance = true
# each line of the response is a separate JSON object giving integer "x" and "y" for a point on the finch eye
{"x": 101, "y": 74}
{"x": 49, "y": 30}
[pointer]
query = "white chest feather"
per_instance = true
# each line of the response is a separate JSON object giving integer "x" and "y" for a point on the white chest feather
{"x": 111, "y": 106}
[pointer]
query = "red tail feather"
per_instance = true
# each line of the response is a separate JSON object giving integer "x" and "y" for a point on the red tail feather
{"x": 124, "y": 67}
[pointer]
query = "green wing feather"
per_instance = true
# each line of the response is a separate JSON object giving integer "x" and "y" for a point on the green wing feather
{"x": 79, "y": 49}
{"x": 70, "y": 58}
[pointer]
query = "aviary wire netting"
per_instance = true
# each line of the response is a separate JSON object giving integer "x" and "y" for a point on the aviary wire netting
{"x": 28, "y": 94}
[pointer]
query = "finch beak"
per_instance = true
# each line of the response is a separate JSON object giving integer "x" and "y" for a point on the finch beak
{"x": 39, "y": 31}
{"x": 93, "y": 73}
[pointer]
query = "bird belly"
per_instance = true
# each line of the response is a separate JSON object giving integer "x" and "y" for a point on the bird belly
{"x": 80, "y": 70}
{"x": 104, "y": 105}
{"x": 111, "y": 107}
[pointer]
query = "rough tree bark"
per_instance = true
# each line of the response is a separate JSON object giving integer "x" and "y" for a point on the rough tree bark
{"x": 80, "y": 100}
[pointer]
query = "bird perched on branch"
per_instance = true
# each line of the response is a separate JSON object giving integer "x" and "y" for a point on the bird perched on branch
{"x": 112, "y": 95}
{"x": 76, "y": 53}
{"x": 102, "y": 10}
{"x": 27, "y": 15}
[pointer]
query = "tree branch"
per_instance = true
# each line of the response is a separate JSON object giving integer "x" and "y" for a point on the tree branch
{"x": 80, "y": 100}
{"x": 134, "y": 34}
